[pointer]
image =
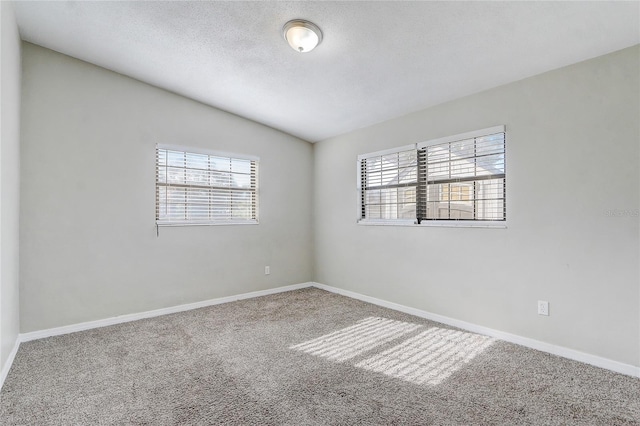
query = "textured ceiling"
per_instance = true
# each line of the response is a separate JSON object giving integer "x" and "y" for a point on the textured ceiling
{"x": 378, "y": 60}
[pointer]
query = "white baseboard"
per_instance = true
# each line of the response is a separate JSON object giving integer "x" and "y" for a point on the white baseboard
{"x": 575, "y": 355}
{"x": 57, "y": 331}
{"x": 9, "y": 362}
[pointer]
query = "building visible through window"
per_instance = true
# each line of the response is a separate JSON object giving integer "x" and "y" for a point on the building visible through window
{"x": 457, "y": 178}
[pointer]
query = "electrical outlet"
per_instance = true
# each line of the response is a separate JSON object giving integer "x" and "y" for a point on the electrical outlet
{"x": 543, "y": 307}
{"x": 267, "y": 270}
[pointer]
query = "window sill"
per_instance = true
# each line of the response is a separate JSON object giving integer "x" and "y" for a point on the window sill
{"x": 463, "y": 224}
{"x": 387, "y": 222}
{"x": 169, "y": 224}
{"x": 435, "y": 223}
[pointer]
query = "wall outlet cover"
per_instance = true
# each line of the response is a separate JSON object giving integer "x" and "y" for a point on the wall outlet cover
{"x": 543, "y": 307}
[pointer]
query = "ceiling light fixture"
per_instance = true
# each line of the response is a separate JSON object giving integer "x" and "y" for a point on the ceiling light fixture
{"x": 303, "y": 36}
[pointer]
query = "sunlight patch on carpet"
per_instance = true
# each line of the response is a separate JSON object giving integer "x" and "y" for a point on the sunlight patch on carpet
{"x": 350, "y": 342}
{"x": 430, "y": 357}
{"x": 426, "y": 358}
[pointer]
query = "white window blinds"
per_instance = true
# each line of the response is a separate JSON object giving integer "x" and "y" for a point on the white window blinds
{"x": 457, "y": 178}
{"x": 463, "y": 177}
{"x": 388, "y": 181}
{"x": 205, "y": 188}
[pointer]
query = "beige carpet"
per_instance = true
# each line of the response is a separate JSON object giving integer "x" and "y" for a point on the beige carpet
{"x": 305, "y": 357}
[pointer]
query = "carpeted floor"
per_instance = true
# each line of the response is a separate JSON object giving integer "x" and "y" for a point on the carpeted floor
{"x": 305, "y": 357}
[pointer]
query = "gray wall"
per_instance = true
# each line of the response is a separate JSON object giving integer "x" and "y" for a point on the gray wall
{"x": 572, "y": 155}
{"x": 9, "y": 180}
{"x": 89, "y": 250}
{"x": 88, "y": 242}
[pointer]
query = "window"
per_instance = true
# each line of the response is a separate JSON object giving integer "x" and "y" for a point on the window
{"x": 195, "y": 187}
{"x": 460, "y": 178}
{"x": 388, "y": 184}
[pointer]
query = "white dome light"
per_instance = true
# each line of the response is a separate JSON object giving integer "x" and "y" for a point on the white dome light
{"x": 303, "y": 36}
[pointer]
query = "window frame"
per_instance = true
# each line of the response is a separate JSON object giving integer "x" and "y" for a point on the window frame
{"x": 254, "y": 178}
{"x": 360, "y": 189}
{"x": 422, "y": 181}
